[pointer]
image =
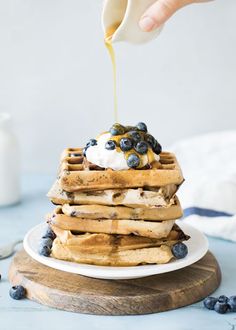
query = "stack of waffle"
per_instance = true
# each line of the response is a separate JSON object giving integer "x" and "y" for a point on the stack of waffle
{"x": 115, "y": 218}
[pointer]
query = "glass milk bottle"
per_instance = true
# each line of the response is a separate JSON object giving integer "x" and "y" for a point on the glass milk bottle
{"x": 9, "y": 163}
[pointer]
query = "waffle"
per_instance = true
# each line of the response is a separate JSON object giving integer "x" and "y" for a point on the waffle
{"x": 158, "y": 229}
{"x": 105, "y": 243}
{"x": 76, "y": 174}
{"x": 158, "y": 255}
{"x": 123, "y": 212}
{"x": 114, "y": 250}
{"x": 157, "y": 197}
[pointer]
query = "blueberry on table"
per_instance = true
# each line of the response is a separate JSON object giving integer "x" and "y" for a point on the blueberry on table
{"x": 44, "y": 250}
{"x": 223, "y": 299}
{"x": 49, "y": 233}
{"x": 17, "y": 292}
{"x": 221, "y": 307}
{"x": 141, "y": 147}
{"x": 142, "y": 127}
{"x": 232, "y": 303}
{"x": 133, "y": 161}
{"x": 180, "y": 250}
{"x": 126, "y": 144}
{"x": 135, "y": 136}
{"x": 110, "y": 145}
{"x": 210, "y": 302}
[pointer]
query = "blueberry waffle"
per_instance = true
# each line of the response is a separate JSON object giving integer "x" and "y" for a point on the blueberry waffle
{"x": 174, "y": 211}
{"x": 152, "y": 229}
{"x": 140, "y": 198}
{"x": 114, "y": 250}
{"x": 117, "y": 202}
{"x": 77, "y": 174}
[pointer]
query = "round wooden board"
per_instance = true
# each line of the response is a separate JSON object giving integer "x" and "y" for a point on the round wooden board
{"x": 82, "y": 294}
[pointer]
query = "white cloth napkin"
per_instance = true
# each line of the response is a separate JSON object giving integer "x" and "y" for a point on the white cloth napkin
{"x": 208, "y": 195}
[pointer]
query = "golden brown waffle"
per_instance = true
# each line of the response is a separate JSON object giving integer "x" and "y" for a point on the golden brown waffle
{"x": 114, "y": 250}
{"x": 76, "y": 174}
{"x": 157, "y": 255}
{"x": 139, "y": 198}
{"x": 105, "y": 243}
{"x": 157, "y": 229}
{"x": 123, "y": 212}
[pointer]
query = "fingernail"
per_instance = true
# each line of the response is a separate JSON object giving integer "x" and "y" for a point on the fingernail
{"x": 147, "y": 24}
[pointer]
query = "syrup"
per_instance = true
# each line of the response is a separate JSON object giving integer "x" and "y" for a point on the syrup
{"x": 108, "y": 42}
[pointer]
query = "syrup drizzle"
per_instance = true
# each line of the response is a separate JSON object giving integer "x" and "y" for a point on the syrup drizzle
{"x": 108, "y": 42}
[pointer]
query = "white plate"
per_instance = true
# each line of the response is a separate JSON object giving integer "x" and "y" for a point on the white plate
{"x": 197, "y": 248}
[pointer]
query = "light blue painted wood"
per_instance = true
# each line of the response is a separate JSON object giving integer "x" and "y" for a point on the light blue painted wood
{"x": 27, "y": 315}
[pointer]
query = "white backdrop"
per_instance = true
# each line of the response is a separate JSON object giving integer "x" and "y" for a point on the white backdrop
{"x": 56, "y": 78}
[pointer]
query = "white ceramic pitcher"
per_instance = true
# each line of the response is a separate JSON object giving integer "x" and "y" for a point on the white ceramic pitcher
{"x": 128, "y": 14}
{"x": 9, "y": 163}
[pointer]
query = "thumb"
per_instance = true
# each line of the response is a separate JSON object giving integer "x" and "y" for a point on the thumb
{"x": 159, "y": 13}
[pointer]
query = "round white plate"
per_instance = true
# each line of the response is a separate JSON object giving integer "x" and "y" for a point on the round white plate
{"x": 197, "y": 248}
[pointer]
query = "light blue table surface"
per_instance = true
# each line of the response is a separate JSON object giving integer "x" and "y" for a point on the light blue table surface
{"x": 25, "y": 314}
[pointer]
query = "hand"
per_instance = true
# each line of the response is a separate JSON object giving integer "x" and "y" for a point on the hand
{"x": 161, "y": 11}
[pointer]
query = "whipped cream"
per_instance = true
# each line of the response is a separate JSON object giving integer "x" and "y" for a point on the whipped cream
{"x": 113, "y": 159}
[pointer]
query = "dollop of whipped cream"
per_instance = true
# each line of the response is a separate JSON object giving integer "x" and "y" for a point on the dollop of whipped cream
{"x": 113, "y": 159}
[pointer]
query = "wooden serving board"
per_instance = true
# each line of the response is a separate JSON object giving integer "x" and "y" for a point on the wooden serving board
{"x": 82, "y": 294}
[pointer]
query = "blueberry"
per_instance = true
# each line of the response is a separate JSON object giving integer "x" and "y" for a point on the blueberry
{"x": 232, "y": 303}
{"x": 44, "y": 250}
{"x": 130, "y": 128}
{"x": 142, "y": 127}
{"x": 180, "y": 250}
{"x": 133, "y": 161}
{"x": 110, "y": 145}
{"x": 92, "y": 142}
{"x": 126, "y": 144}
{"x": 150, "y": 140}
{"x": 141, "y": 147}
{"x": 49, "y": 233}
{"x": 46, "y": 242}
{"x": 17, "y": 292}
{"x": 84, "y": 151}
{"x": 157, "y": 148}
{"x": 210, "y": 302}
{"x": 117, "y": 129}
{"x": 135, "y": 136}
{"x": 221, "y": 307}
{"x": 223, "y": 299}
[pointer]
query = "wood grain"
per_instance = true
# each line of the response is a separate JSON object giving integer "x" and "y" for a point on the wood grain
{"x": 82, "y": 294}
